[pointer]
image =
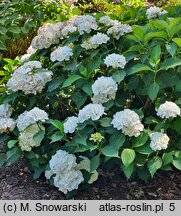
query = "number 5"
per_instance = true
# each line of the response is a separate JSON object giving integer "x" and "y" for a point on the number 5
{"x": 172, "y": 207}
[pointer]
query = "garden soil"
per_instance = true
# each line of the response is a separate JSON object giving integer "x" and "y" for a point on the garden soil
{"x": 16, "y": 183}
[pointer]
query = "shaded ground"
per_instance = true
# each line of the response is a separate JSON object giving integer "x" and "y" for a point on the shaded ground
{"x": 16, "y": 183}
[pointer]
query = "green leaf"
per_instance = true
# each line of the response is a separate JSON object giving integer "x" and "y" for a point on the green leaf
{"x": 138, "y": 32}
{"x": 56, "y": 123}
{"x": 119, "y": 76}
{"x": 128, "y": 170}
{"x": 140, "y": 140}
{"x": 11, "y": 143}
{"x": 69, "y": 81}
{"x": 37, "y": 172}
{"x": 128, "y": 156}
{"x": 151, "y": 35}
{"x": 171, "y": 48}
{"x": 13, "y": 155}
{"x": 144, "y": 149}
{"x": 2, "y": 46}
{"x": 110, "y": 151}
{"x": 139, "y": 67}
{"x": 154, "y": 164}
{"x": 94, "y": 164}
{"x": 14, "y": 29}
{"x": 87, "y": 88}
{"x": 38, "y": 137}
{"x": 105, "y": 122}
{"x": 153, "y": 91}
{"x": 117, "y": 140}
{"x": 170, "y": 63}
{"x": 2, "y": 159}
{"x": 177, "y": 41}
{"x": 167, "y": 158}
{"x": 155, "y": 55}
{"x": 56, "y": 137}
{"x": 177, "y": 163}
{"x": 94, "y": 64}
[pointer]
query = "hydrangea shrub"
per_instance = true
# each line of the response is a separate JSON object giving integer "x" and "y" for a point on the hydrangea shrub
{"x": 93, "y": 93}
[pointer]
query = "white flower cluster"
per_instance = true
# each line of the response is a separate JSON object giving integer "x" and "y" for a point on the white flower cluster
{"x": 118, "y": 29}
{"x": 104, "y": 89}
{"x": 29, "y": 78}
{"x": 30, "y": 51}
{"x": 128, "y": 121}
{"x": 61, "y": 53}
{"x": 85, "y": 24}
{"x": 7, "y": 123}
{"x": 71, "y": 124}
{"x": 168, "y": 109}
{"x": 48, "y": 34}
{"x": 26, "y": 138}
{"x": 95, "y": 41}
{"x": 154, "y": 12}
{"x": 90, "y": 111}
{"x": 159, "y": 141}
{"x": 67, "y": 174}
{"x": 107, "y": 21}
{"x": 68, "y": 30}
{"x": 115, "y": 60}
{"x": 30, "y": 117}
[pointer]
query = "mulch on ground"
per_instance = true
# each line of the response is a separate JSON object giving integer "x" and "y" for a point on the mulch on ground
{"x": 16, "y": 183}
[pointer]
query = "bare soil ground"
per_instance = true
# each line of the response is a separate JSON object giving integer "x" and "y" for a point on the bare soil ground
{"x": 16, "y": 183}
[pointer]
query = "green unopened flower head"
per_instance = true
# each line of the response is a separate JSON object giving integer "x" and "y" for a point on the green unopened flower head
{"x": 96, "y": 137}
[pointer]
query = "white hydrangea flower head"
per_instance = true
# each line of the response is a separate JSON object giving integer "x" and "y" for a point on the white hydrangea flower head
{"x": 48, "y": 34}
{"x": 106, "y": 20}
{"x": 68, "y": 181}
{"x": 91, "y": 111}
{"x": 30, "y": 117}
{"x": 168, "y": 110}
{"x": 30, "y": 78}
{"x": 118, "y": 29}
{"x": 159, "y": 141}
{"x": 67, "y": 173}
{"x": 86, "y": 23}
{"x": 104, "y": 89}
{"x": 68, "y": 30}
{"x": 7, "y": 125}
{"x": 95, "y": 41}
{"x": 5, "y": 111}
{"x": 115, "y": 61}
{"x": 154, "y": 12}
{"x": 30, "y": 51}
{"x": 61, "y": 53}
{"x": 128, "y": 121}
{"x": 70, "y": 124}
{"x": 26, "y": 138}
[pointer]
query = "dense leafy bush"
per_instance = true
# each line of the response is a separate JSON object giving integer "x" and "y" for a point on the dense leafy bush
{"x": 119, "y": 86}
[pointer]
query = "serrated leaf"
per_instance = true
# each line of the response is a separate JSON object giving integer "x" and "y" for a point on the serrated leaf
{"x": 167, "y": 158}
{"x": 110, "y": 151}
{"x": 69, "y": 81}
{"x": 154, "y": 164}
{"x": 128, "y": 170}
{"x": 127, "y": 156}
{"x": 153, "y": 91}
{"x": 177, "y": 163}
{"x": 138, "y": 68}
{"x": 117, "y": 140}
{"x": 119, "y": 76}
{"x": 170, "y": 63}
{"x": 56, "y": 123}
{"x": 94, "y": 164}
